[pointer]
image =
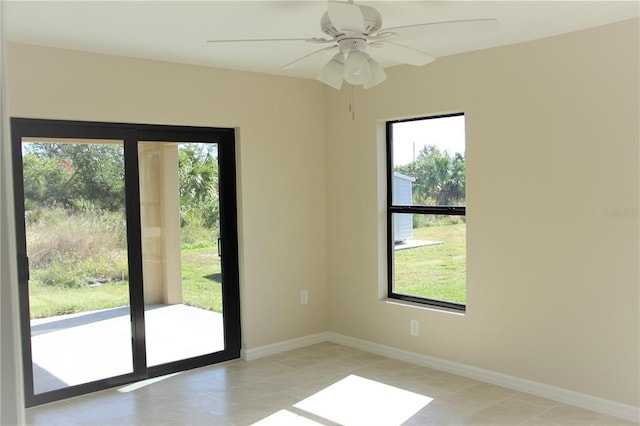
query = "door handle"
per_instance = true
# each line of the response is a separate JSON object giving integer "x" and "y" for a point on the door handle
{"x": 23, "y": 268}
{"x": 219, "y": 247}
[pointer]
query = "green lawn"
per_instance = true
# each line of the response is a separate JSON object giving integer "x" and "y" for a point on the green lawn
{"x": 437, "y": 271}
{"x": 201, "y": 287}
{"x": 202, "y": 278}
{"x": 49, "y": 300}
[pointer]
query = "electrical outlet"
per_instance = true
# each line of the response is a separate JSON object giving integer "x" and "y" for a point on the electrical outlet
{"x": 414, "y": 328}
{"x": 304, "y": 297}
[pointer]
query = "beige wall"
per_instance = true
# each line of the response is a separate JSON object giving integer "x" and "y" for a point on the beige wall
{"x": 281, "y": 160}
{"x": 552, "y": 150}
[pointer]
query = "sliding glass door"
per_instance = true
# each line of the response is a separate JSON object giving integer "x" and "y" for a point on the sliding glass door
{"x": 127, "y": 243}
{"x": 180, "y": 219}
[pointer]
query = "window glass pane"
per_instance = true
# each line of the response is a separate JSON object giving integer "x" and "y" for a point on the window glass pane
{"x": 76, "y": 235}
{"x": 429, "y": 162}
{"x": 179, "y": 215}
{"x": 429, "y": 256}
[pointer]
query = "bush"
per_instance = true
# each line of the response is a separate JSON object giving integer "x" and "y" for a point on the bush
{"x": 66, "y": 247}
{"x": 426, "y": 220}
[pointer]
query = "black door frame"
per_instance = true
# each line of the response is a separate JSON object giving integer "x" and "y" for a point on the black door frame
{"x": 131, "y": 134}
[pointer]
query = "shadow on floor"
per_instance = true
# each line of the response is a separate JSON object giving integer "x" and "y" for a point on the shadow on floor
{"x": 75, "y": 320}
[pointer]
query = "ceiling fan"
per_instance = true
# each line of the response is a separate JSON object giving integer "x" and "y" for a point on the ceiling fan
{"x": 356, "y": 36}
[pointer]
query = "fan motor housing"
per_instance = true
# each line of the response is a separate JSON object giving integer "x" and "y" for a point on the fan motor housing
{"x": 372, "y": 22}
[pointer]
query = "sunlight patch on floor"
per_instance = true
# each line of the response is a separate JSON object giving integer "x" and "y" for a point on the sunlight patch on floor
{"x": 286, "y": 418}
{"x": 356, "y": 400}
{"x": 143, "y": 383}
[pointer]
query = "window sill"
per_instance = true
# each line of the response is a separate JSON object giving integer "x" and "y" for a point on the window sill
{"x": 422, "y": 306}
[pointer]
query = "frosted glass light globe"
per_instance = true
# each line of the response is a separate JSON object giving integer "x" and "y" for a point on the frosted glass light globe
{"x": 356, "y": 68}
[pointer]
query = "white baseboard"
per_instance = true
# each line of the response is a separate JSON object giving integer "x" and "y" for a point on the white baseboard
{"x": 287, "y": 345}
{"x": 601, "y": 405}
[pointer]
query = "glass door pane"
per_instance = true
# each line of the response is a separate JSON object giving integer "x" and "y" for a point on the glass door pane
{"x": 179, "y": 215}
{"x": 74, "y": 199}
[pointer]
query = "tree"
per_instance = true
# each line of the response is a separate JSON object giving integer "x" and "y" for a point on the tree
{"x": 440, "y": 177}
{"x": 198, "y": 170}
{"x": 74, "y": 175}
{"x": 81, "y": 176}
{"x": 43, "y": 180}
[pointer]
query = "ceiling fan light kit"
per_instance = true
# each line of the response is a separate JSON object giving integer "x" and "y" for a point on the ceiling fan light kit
{"x": 355, "y": 34}
{"x": 352, "y": 65}
{"x": 359, "y": 68}
{"x": 332, "y": 74}
{"x": 356, "y": 68}
{"x": 377, "y": 75}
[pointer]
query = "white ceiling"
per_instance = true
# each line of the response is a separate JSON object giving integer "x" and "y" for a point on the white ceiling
{"x": 177, "y": 30}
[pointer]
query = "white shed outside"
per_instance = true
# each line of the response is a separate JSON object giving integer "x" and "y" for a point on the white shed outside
{"x": 402, "y": 223}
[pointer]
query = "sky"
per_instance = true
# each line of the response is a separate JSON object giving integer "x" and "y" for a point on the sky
{"x": 447, "y": 133}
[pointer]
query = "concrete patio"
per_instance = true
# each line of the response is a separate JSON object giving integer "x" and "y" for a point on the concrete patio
{"x": 72, "y": 349}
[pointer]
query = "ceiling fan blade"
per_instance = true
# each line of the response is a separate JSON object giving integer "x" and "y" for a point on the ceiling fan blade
{"x": 400, "y": 53}
{"x": 346, "y": 16}
{"x": 258, "y": 40}
{"x": 442, "y": 29}
{"x": 325, "y": 51}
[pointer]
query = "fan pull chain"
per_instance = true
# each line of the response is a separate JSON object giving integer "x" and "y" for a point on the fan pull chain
{"x": 352, "y": 108}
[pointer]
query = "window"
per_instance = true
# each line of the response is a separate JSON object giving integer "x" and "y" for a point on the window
{"x": 426, "y": 222}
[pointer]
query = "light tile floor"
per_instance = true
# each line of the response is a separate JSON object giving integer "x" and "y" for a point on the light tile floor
{"x": 323, "y": 384}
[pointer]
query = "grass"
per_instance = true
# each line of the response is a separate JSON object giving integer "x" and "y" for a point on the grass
{"x": 64, "y": 262}
{"x": 437, "y": 271}
{"x": 201, "y": 287}
{"x": 78, "y": 263}
{"x": 69, "y": 249}
{"x": 47, "y": 300}
{"x": 202, "y": 278}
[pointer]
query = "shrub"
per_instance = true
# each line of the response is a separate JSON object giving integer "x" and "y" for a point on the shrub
{"x": 67, "y": 247}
